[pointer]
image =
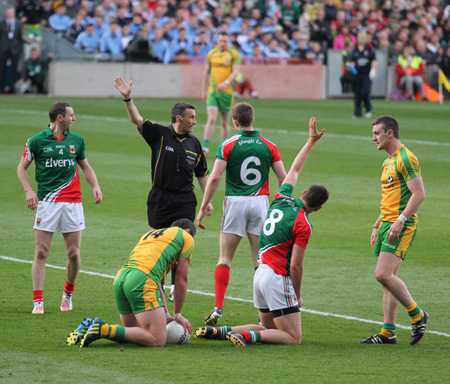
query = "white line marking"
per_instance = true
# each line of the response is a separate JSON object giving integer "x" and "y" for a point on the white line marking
{"x": 312, "y": 311}
{"x": 274, "y": 131}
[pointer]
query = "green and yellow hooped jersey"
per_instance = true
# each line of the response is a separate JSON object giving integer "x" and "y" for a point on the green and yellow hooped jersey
{"x": 221, "y": 65}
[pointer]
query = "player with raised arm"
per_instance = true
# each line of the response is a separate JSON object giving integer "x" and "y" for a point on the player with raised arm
{"x": 278, "y": 280}
{"x": 247, "y": 158}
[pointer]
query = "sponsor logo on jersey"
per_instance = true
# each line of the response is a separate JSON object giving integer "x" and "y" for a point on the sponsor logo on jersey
{"x": 48, "y": 150}
{"x": 72, "y": 148}
{"x": 52, "y": 163}
{"x": 390, "y": 179}
{"x": 169, "y": 149}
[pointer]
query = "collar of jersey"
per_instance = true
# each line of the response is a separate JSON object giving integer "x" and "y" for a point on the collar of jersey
{"x": 245, "y": 132}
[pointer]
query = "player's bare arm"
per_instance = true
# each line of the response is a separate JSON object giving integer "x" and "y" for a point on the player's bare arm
{"x": 205, "y": 79}
{"x": 374, "y": 235}
{"x": 181, "y": 282}
{"x": 280, "y": 172}
{"x": 22, "y": 174}
{"x": 417, "y": 197}
{"x": 298, "y": 255}
{"x": 210, "y": 189}
{"x": 202, "y": 180}
{"x": 300, "y": 160}
{"x": 125, "y": 91}
{"x": 91, "y": 178}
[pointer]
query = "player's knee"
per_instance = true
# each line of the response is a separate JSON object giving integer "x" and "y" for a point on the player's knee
{"x": 42, "y": 252}
{"x": 381, "y": 276}
{"x": 73, "y": 255}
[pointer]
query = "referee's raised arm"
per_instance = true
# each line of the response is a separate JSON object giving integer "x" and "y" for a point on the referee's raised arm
{"x": 125, "y": 90}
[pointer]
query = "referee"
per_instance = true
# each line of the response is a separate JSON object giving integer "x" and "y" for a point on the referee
{"x": 176, "y": 156}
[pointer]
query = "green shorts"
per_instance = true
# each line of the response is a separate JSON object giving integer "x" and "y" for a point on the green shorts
{"x": 400, "y": 247}
{"x": 220, "y": 100}
{"x": 136, "y": 292}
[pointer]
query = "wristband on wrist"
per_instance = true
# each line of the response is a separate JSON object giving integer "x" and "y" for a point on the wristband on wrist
{"x": 177, "y": 315}
{"x": 127, "y": 100}
{"x": 375, "y": 227}
{"x": 402, "y": 218}
{"x": 167, "y": 315}
{"x": 227, "y": 81}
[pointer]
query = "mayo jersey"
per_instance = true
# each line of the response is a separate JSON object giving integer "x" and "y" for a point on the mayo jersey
{"x": 56, "y": 165}
{"x": 158, "y": 251}
{"x": 397, "y": 170}
{"x": 221, "y": 65}
{"x": 286, "y": 224}
{"x": 249, "y": 157}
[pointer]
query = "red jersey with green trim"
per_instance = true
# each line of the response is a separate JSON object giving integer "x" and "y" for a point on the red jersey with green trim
{"x": 56, "y": 165}
{"x": 249, "y": 157}
{"x": 286, "y": 224}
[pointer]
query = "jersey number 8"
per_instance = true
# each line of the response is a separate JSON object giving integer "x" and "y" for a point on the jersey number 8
{"x": 269, "y": 225}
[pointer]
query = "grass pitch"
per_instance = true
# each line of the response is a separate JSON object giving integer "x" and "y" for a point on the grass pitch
{"x": 342, "y": 300}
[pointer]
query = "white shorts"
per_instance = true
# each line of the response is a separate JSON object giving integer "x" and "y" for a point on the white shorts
{"x": 62, "y": 217}
{"x": 244, "y": 214}
{"x": 272, "y": 291}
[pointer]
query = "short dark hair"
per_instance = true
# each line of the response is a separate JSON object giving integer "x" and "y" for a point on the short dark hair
{"x": 243, "y": 113}
{"x": 185, "y": 224}
{"x": 223, "y": 33}
{"x": 179, "y": 109}
{"x": 388, "y": 123}
{"x": 316, "y": 195}
{"x": 58, "y": 108}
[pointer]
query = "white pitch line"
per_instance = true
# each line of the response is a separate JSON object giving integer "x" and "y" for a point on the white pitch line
{"x": 274, "y": 131}
{"x": 312, "y": 311}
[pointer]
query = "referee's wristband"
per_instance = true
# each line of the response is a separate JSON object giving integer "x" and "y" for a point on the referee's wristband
{"x": 402, "y": 218}
{"x": 127, "y": 100}
{"x": 177, "y": 315}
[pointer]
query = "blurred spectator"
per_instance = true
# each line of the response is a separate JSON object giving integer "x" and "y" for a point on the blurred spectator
{"x": 136, "y": 23}
{"x": 59, "y": 22}
{"x": 348, "y": 9}
{"x": 75, "y": 29}
{"x": 339, "y": 41}
{"x": 204, "y": 45}
{"x": 100, "y": 27}
{"x": 140, "y": 48}
{"x": 87, "y": 41}
{"x": 348, "y": 72}
{"x": 320, "y": 31}
{"x": 445, "y": 66}
{"x": 31, "y": 14}
{"x": 111, "y": 43}
{"x": 290, "y": 13}
{"x": 122, "y": 17}
{"x": 71, "y": 8}
{"x": 176, "y": 45}
{"x": 303, "y": 51}
{"x": 396, "y": 51}
{"x": 235, "y": 21}
{"x": 160, "y": 45}
{"x": 246, "y": 47}
{"x": 242, "y": 85}
{"x": 410, "y": 71}
{"x": 316, "y": 48}
{"x": 274, "y": 51}
{"x": 34, "y": 72}
{"x": 11, "y": 47}
{"x": 47, "y": 11}
{"x": 330, "y": 10}
{"x": 126, "y": 37}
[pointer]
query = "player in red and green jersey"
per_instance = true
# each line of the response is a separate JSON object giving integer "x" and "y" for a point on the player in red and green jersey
{"x": 138, "y": 290}
{"x": 57, "y": 152}
{"x": 223, "y": 64}
{"x": 247, "y": 158}
{"x": 402, "y": 192}
{"x": 278, "y": 280}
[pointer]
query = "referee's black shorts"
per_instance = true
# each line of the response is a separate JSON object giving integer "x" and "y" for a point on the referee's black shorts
{"x": 164, "y": 208}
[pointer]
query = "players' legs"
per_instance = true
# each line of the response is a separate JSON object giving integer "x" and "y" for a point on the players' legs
{"x": 266, "y": 319}
{"x": 212, "y": 112}
{"x": 228, "y": 245}
{"x": 288, "y": 330}
{"x": 72, "y": 242}
{"x": 129, "y": 320}
{"x": 390, "y": 303}
{"x": 152, "y": 330}
{"x": 385, "y": 273}
{"x": 43, "y": 242}
{"x": 225, "y": 127}
{"x": 254, "y": 248}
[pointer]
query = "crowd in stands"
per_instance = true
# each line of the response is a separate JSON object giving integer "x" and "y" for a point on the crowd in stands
{"x": 158, "y": 31}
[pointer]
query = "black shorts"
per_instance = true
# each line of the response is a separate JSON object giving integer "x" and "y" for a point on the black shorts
{"x": 164, "y": 208}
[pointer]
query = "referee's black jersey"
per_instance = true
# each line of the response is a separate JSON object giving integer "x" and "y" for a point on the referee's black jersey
{"x": 175, "y": 158}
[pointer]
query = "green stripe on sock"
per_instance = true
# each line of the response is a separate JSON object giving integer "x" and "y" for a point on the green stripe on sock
{"x": 120, "y": 333}
{"x": 414, "y": 312}
{"x": 223, "y": 330}
{"x": 254, "y": 336}
{"x": 390, "y": 327}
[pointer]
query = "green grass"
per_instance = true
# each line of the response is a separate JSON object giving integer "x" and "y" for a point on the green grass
{"x": 339, "y": 264}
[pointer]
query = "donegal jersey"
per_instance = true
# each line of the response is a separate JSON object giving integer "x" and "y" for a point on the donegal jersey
{"x": 249, "y": 157}
{"x": 158, "y": 251}
{"x": 221, "y": 65}
{"x": 286, "y": 224}
{"x": 397, "y": 170}
{"x": 56, "y": 165}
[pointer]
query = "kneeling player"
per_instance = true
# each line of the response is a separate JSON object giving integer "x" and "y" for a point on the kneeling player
{"x": 137, "y": 287}
{"x": 277, "y": 282}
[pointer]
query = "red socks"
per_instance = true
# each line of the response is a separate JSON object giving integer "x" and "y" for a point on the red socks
{"x": 69, "y": 288}
{"x": 222, "y": 277}
{"x": 38, "y": 296}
